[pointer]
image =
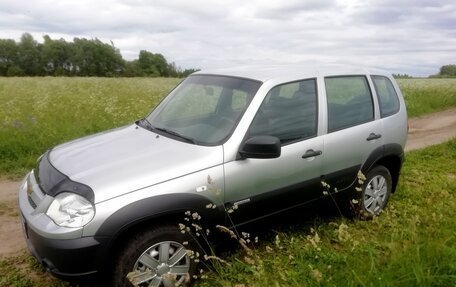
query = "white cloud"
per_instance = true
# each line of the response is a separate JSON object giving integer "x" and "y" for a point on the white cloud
{"x": 415, "y": 37}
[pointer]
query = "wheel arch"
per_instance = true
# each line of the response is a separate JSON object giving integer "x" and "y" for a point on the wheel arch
{"x": 390, "y": 156}
{"x": 393, "y": 164}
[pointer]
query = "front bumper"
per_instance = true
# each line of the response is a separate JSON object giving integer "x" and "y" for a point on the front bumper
{"x": 63, "y": 251}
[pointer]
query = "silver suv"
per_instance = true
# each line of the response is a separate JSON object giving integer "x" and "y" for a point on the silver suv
{"x": 258, "y": 141}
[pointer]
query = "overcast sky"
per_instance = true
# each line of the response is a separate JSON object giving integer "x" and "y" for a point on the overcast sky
{"x": 403, "y": 36}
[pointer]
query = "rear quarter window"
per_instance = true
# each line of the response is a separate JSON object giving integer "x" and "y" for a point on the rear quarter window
{"x": 387, "y": 96}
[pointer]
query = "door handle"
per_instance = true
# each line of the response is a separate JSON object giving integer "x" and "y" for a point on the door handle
{"x": 373, "y": 136}
{"x": 311, "y": 153}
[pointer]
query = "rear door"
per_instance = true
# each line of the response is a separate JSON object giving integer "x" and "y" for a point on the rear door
{"x": 353, "y": 132}
{"x": 261, "y": 187}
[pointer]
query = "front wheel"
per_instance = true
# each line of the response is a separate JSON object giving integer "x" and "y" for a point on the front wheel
{"x": 374, "y": 194}
{"x": 155, "y": 257}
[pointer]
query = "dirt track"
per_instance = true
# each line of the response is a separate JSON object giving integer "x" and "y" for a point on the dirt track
{"x": 11, "y": 239}
{"x": 423, "y": 131}
{"x": 431, "y": 129}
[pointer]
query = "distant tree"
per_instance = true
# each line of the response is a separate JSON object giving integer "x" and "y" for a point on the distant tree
{"x": 448, "y": 70}
{"x": 146, "y": 63}
{"x": 187, "y": 72}
{"x": 57, "y": 57}
{"x": 161, "y": 65}
{"x": 15, "y": 71}
{"x": 29, "y": 56}
{"x": 154, "y": 65}
{"x": 173, "y": 70}
{"x": 177, "y": 72}
{"x": 94, "y": 58}
{"x": 8, "y": 55}
{"x": 132, "y": 69}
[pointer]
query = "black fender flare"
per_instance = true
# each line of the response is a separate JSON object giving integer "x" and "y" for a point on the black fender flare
{"x": 381, "y": 152}
{"x": 159, "y": 206}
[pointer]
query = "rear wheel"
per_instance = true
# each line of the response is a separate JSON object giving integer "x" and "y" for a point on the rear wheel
{"x": 374, "y": 194}
{"x": 156, "y": 257}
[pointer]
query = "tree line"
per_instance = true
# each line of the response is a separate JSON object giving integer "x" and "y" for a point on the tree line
{"x": 81, "y": 57}
{"x": 402, "y": 76}
{"x": 446, "y": 71}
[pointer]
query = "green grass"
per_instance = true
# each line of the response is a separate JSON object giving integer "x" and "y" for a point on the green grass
{"x": 413, "y": 243}
{"x": 424, "y": 96}
{"x": 38, "y": 113}
{"x": 24, "y": 271}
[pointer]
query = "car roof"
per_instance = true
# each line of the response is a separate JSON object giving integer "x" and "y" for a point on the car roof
{"x": 291, "y": 72}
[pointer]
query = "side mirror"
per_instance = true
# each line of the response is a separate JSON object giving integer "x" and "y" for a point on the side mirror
{"x": 261, "y": 147}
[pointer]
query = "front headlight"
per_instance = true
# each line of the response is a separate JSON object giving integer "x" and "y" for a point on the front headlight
{"x": 70, "y": 210}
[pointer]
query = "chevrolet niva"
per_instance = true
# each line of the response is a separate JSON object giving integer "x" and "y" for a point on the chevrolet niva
{"x": 261, "y": 139}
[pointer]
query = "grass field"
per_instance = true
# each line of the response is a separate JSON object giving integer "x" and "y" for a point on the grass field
{"x": 38, "y": 113}
{"x": 413, "y": 243}
{"x": 424, "y": 96}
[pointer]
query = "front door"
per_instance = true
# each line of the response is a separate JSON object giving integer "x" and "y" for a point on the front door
{"x": 260, "y": 187}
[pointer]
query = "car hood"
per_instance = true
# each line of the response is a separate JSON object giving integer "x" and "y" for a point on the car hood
{"x": 130, "y": 158}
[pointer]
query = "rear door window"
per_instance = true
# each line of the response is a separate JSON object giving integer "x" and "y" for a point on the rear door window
{"x": 387, "y": 96}
{"x": 349, "y": 102}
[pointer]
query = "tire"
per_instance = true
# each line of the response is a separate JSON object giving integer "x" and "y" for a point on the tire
{"x": 159, "y": 254}
{"x": 374, "y": 194}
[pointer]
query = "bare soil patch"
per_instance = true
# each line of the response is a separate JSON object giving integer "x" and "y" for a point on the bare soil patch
{"x": 431, "y": 129}
{"x": 11, "y": 239}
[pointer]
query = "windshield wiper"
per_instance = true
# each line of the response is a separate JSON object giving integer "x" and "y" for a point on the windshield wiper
{"x": 176, "y": 134}
{"x": 144, "y": 123}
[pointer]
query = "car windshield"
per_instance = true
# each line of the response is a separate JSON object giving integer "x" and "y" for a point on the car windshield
{"x": 203, "y": 109}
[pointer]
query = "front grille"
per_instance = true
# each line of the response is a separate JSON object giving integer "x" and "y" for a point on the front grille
{"x": 36, "y": 172}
